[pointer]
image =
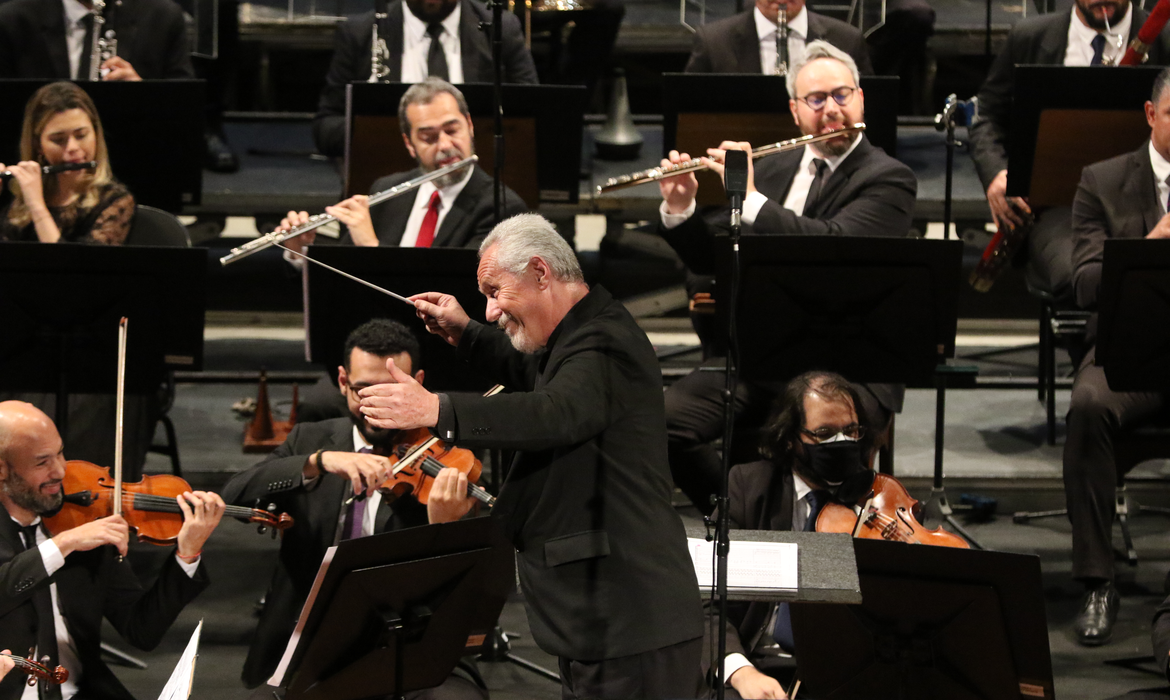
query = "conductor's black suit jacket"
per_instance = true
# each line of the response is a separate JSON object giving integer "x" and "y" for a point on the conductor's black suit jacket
{"x": 351, "y": 61}
{"x": 1040, "y": 40}
{"x": 91, "y": 585}
{"x": 465, "y": 226}
{"x": 316, "y": 512}
{"x": 151, "y": 35}
{"x": 601, "y": 554}
{"x": 731, "y": 45}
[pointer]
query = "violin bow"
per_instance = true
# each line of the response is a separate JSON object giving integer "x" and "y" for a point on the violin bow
{"x": 118, "y": 413}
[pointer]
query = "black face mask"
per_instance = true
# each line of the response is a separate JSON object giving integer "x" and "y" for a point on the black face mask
{"x": 833, "y": 462}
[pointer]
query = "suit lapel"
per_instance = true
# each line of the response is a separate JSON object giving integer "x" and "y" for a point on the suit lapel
{"x": 336, "y": 490}
{"x": 1054, "y": 42}
{"x": 779, "y": 491}
{"x": 816, "y": 28}
{"x": 836, "y": 185}
{"x": 393, "y": 25}
{"x": 473, "y": 46}
{"x": 747, "y": 44}
{"x": 1143, "y": 189}
{"x": 391, "y": 217}
{"x": 53, "y": 22}
{"x": 461, "y": 210}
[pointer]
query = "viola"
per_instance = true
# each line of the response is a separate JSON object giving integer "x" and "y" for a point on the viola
{"x": 148, "y": 506}
{"x": 887, "y": 513}
{"x": 417, "y": 459}
{"x": 39, "y": 670}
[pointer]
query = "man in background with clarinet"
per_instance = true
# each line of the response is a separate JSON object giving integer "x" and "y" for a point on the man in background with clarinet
{"x": 844, "y": 186}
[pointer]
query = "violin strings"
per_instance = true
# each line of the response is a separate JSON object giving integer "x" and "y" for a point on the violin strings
{"x": 886, "y": 519}
{"x": 165, "y": 504}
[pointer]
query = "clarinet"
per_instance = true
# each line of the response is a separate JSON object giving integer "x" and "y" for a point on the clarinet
{"x": 103, "y": 45}
{"x": 379, "y": 53}
{"x": 782, "y": 44}
{"x": 58, "y": 168}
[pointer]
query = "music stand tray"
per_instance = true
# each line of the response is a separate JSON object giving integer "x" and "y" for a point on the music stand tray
{"x": 1133, "y": 325}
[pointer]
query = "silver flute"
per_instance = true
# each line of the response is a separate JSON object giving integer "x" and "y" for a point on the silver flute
{"x": 318, "y": 220}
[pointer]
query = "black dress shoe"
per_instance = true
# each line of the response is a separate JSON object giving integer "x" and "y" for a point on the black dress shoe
{"x": 1094, "y": 624}
{"x": 218, "y": 155}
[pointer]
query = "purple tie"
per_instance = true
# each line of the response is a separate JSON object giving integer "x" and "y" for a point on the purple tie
{"x": 355, "y": 514}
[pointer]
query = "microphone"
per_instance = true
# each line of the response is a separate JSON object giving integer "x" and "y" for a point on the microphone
{"x": 735, "y": 178}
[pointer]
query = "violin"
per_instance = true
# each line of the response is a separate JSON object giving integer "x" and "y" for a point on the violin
{"x": 417, "y": 459}
{"x": 148, "y": 506}
{"x": 887, "y": 513}
{"x": 39, "y": 670}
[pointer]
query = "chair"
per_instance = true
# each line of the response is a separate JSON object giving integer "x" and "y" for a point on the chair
{"x": 156, "y": 227}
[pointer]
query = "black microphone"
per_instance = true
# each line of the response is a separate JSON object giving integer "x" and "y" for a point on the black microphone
{"x": 735, "y": 178}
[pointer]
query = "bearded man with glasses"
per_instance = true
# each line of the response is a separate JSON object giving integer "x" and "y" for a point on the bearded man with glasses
{"x": 844, "y": 186}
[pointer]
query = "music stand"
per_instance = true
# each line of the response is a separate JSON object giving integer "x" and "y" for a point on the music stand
{"x": 336, "y": 305}
{"x": 542, "y": 126}
{"x": 1133, "y": 327}
{"x": 60, "y": 305}
{"x": 394, "y": 613}
{"x": 699, "y": 110}
{"x": 1064, "y": 118}
{"x": 153, "y": 129}
{"x": 935, "y": 622}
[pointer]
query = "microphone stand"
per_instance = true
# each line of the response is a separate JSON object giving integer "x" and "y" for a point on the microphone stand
{"x": 946, "y": 122}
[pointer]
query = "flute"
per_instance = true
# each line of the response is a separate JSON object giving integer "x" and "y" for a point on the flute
{"x": 694, "y": 164}
{"x": 58, "y": 168}
{"x": 318, "y": 220}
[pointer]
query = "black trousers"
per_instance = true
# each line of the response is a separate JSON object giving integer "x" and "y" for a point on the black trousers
{"x": 1095, "y": 416}
{"x": 669, "y": 672}
{"x": 1050, "y": 254}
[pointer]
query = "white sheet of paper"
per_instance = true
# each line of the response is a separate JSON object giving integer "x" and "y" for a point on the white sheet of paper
{"x": 749, "y": 564}
{"x": 178, "y": 686}
{"x": 278, "y": 676}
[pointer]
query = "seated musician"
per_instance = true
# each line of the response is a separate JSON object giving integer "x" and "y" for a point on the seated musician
{"x": 1123, "y": 197}
{"x": 455, "y": 211}
{"x": 841, "y": 187}
{"x": 61, "y": 125}
{"x": 422, "y": 38}
{"x": 813, "y": 442}
{"x": 55, "y": 590}
{"x": 317, "y": 469}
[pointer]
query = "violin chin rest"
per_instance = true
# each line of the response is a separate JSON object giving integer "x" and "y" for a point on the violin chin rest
{"x": 81, "y": 498}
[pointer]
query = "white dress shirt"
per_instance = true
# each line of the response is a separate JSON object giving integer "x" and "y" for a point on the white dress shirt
{"x": 1161, "y": 175}
{"x": 422, "y": 200}
{"x": 75, "y": 14}
{"x": 416, "y": 44}
{"x": 1080, "y": 39}
{"x": 766, "y": 30}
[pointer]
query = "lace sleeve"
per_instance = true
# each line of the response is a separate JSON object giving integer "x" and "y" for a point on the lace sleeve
{"x": 113, "y": 223}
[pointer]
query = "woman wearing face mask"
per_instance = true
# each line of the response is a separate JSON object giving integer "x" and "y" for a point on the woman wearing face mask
{"x": 61, "y": 125}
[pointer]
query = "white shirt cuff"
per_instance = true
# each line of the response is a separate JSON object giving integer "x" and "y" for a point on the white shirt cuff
{"x": 191, "y": 568}
{"x": 51, "y": 556}
{"x": 731, "y": 664}
{"x": 293, "y": 260}
{"x": 752, "y": 204}
{"x": 670, "y": 221}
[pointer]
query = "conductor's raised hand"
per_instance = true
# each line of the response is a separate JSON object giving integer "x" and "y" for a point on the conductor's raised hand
{"x": 678, "y": 191}
{"x": 442, "y": 314}
{"x": 399, "y": 405}
{"x": 716, "y": 156}
{"x": 291, "y": 221}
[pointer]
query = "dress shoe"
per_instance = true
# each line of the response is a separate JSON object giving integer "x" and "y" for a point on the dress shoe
{"x": 218, "y": 155}
{"x": 1094, "y": 624}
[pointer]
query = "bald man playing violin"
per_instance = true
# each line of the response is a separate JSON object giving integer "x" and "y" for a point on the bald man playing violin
{"x": 55, "y": 590}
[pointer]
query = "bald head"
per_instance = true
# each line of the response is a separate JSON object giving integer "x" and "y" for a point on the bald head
{"x": 32, "y": 461}
{"x": 21, "y": 422}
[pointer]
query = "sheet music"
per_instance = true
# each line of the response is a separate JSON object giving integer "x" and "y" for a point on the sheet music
{"x": 769, "y": 565}
{"x": 178, "y": 686}
{"x": 278, "y": 675}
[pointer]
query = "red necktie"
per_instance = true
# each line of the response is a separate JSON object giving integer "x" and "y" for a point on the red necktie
{"x": 426, "y": 232}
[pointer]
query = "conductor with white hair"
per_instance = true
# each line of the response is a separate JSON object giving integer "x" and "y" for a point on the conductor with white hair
{"x": 601, "y": 554}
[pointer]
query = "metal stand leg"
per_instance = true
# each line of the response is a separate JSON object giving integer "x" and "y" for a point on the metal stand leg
{"x": 501, "y": 650}
{"x": 938, "y": 507}
{"x": 123, "y": 658}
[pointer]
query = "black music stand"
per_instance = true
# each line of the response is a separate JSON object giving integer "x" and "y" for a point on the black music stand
{"x": 841, "y": 304}
{"x": 60, "y": 305}
{"x": 336, "y": 305}
{"x": 935, "y": 622}
{"x": 394, "y": 613}
{"x": 1133, "y": 332}
{"x": 154, "y": 133}
{"x": 542, "y": 125}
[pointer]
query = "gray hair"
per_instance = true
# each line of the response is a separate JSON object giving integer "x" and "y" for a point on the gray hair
{"x": 1160, "y": 84}
{"x": 820, "y": 49}
{"x": 423, "y": 94}
{"x": 527, "y": 236}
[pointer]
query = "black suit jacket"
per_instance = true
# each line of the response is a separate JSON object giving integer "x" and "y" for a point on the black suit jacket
{"x": 465, "y": 226}
{"x": 316, "y": 512}
{"x": 151, "y": 35}
{"x": 351, "y": 62}
{"x": 91, "y": 585}
{"x": 1116, "y": 198}
{"x": 1160, "y": 637}
{"x": 731, "y": 45}
{"x": 1040, "y": 40}
{"x": 601, "y": 554}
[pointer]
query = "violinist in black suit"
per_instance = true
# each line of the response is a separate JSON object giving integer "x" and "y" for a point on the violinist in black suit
{"x": 56, "y": 590}
{"x": 454, "y": 211}
{"x": 841, "y": 187}
{"x": 312, "y": 475}
{"x": 462, "y": 54}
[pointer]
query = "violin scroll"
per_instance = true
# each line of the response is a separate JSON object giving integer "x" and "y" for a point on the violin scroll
{"x": 38, "y": 671}
{"x": 270, "y": 521}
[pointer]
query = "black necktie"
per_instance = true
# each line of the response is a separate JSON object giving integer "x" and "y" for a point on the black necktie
{"x": 46, "y": 625}
{"x": 87, "y": 44}
{"x": 816, "y": 500}
{"x": 436, "y": 59}
{"x": 814, "y": 190}
{"x": 1098, "y": 44}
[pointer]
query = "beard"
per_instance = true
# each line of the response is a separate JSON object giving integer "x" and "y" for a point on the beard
{"x": 377, "y": 437}
{"x": 835, "y": 147}
{"x": 1116, "y": 14}
{"x": 519, "y": 336}
{"x": 450, "y": 178}
{"x": 26, "y": 496}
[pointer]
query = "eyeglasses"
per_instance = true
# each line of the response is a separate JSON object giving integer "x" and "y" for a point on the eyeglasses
{"x": 816, "y": 101}
{"x": 852, "y": 431}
